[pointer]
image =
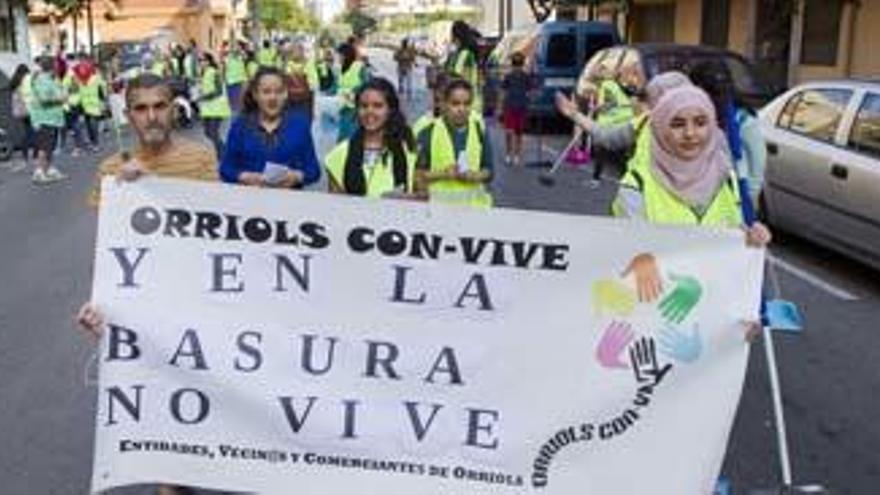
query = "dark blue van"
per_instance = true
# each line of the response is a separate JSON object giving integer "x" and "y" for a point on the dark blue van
{"x": 555, "y": 52}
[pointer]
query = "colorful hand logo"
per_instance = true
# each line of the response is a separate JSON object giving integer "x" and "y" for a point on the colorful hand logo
{"x": 612, "y": 297}
{"x": 683, "y": 298}
{"x": 615, "y": 340}
{"x": 681, "y": 346}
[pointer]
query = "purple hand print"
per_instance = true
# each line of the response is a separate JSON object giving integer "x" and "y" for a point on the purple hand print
{"x": 617, "y": 337}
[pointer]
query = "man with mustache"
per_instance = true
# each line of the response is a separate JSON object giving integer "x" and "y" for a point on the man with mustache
{"x": 148, "y": 101}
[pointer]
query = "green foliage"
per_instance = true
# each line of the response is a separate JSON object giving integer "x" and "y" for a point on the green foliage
{"x": 67, "y": 7}
{"x": 286, "y": 15}
{"x": 360, "y": 23}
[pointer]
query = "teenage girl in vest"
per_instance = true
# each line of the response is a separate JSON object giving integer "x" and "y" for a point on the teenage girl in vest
{"x": 379, "y": 158}
{"x": 686, "y": 179}
{"x": 455, "y": 157}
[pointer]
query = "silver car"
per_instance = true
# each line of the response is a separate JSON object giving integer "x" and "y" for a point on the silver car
{"x": 823, "y": 165}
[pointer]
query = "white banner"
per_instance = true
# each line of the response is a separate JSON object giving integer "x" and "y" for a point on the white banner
{"x": 281, "y": 342}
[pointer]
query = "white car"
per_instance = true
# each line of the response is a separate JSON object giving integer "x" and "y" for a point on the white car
{"x": 823, "y": 165}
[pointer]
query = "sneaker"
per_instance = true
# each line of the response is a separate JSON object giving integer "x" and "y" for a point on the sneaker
{"x": 39, "y": 177}
{"x": 54, "y": 174}
{"x": 594, "y": 183}
{"x": 508, "y": 160}
{"x": 75, "y": 153}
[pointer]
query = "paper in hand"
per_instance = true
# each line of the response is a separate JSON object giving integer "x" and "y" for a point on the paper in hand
{"x": 274, "y": 173}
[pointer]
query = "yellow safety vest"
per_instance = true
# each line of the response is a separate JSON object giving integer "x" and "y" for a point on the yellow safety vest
{"x": 379, "y": 179}
{"x": 252, "y": 68}
{"x": 236, "y": 73}
{"x": 306, "y": 68}
{"x": 92, "y": 103}
{"x": 442, "y": 157}
{"x": 267, "y": 57}
{"x": 72, "y": 87}
{"x": 217, "y": 107}
{"x": 349, "y": 82}
{"x": 663, "y": 207}
{"x": 615, "y": 107}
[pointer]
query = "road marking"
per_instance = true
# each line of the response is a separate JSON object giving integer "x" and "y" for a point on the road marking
{"x": 813, "y": 280}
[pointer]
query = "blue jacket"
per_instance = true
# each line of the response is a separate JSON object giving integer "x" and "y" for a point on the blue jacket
{"x": 249, "y": 147}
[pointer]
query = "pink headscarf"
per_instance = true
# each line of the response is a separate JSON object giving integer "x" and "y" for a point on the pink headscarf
{"x": 661, "y": 83}
{"x": 696, "y": 181}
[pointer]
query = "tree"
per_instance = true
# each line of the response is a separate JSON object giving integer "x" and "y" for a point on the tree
{"x": 302, "y": 20}
{"x": 275, "y": 15}
{"x": 360, "y": 23}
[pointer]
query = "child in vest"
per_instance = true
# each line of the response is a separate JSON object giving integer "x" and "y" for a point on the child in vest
{"x": 455, "y": 159}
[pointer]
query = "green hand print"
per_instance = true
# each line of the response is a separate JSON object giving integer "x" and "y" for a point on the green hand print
{"x": 612, "y": 297}
{"x": 682, "y": 299}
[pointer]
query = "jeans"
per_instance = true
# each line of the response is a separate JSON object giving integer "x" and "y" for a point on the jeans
{"x": 212, "y": 132}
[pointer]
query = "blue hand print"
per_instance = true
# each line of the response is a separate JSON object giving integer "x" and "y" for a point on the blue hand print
{"x": 681, "y": 346}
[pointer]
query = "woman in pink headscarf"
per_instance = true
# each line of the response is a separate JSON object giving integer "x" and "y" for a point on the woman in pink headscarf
{"x": 685, "y": 177}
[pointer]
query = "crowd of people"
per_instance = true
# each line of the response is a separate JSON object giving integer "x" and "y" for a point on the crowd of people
{"x": 681, "y": 162}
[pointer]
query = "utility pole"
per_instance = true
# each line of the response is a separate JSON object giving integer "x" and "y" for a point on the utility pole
{"x": 91, "y": 28}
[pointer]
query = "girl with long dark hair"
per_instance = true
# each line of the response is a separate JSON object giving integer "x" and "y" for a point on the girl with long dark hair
{"x": 462, "y": 62}
{"x": 379, "y": 159}
{"x": 269, "y": 144}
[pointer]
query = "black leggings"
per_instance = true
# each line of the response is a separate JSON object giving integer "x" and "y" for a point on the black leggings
{"x": 212, "y": 132}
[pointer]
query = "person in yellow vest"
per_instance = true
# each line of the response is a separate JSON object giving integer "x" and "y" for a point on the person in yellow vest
{"x": 213, "y": 102}
{"x": 21, "y": 100}
{"x": 250, "y": 63}
{"x": 686, "y": 178}
{"x": 301, "y": 67}
{"x": 325, "y": 67}
{"x": 94, "y": 94}
{"x": 72, "y": 112}
{"x": 463, "y": 62}
{"x": 613, "y": 107}
{"x": 455, "y": 157}
{"x": 268, "y": 55}
{"x": 378, "y": 161}
{"x": 353, "y": 75}
{"x": 299, "y": 63}
{"x": 629, "y": 138}
{"x": 235, "y": 73}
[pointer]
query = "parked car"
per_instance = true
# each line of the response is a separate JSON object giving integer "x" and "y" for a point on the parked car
{"x": 555, "y": 53}
{"x": 645, "y": 60}
{"x": 823, "y": 165}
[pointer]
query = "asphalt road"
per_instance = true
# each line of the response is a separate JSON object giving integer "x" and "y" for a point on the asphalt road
{"x": 829, "y": 376}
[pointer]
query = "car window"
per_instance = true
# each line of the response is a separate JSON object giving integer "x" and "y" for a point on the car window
{"x": 562, "y": 50}
{"x": 593, "y": 42}
{"x": 816, "y": 113}
{"x": 743, "y": 80}
{"x": 865, "y": 135}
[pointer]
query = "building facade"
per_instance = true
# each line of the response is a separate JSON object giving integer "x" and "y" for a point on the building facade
{"x": 789, "y": 40}
{"x": 161, "y": 22}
